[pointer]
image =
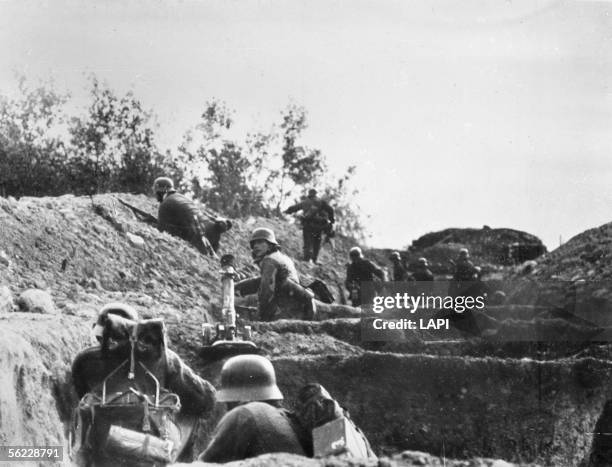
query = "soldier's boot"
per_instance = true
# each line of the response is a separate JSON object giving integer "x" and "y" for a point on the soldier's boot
{"x": 304, "y": 296}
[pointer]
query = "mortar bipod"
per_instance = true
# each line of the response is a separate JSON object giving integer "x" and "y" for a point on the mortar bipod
{"x": 228, "y": 333}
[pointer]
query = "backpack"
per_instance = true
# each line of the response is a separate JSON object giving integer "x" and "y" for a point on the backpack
{"x": 321, "y": 291}
{"x": 129, "y": 419}
{"x": 333, "y": 431}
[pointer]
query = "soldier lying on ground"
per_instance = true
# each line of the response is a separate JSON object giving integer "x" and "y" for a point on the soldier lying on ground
{"x": 179, "y": 216}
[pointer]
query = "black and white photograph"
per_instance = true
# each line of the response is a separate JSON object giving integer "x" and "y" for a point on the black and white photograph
{"x": 306, "y": 233}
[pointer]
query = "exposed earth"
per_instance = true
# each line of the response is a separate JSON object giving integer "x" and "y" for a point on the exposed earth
{"x": 532, "y": 393}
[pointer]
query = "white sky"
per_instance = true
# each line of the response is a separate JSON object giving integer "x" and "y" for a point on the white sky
{"x": 457, "y": 113}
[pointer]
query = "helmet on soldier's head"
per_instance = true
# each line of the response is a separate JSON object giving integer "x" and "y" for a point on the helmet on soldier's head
{"x": 262, "y": 233}
{"x": 355, "y": 252}
{"x": 163, "y": 185}
{"x": 395, "y": 255}
{"x": 464, "y": 252}
{"x": 116, "y": 308}
{"x": 312, "y": 193}
{"x": 247, "y": 378}
{"x": 422, "y": 261}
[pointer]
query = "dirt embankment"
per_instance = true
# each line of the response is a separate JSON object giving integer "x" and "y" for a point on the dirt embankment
{"x": 449, "y": 396}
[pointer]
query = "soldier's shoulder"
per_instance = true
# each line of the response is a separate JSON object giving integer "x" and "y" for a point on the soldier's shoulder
{"x": 87, "y": 355}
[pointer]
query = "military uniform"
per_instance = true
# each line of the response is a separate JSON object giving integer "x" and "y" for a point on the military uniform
{"x": 279, "y": 278}
{"x": 400, "y": 273}
{"x": 317, "y": 217}
{"x": 422, "y": 274}
{"x": 358, "y": 271}
{"x": 179, "y": 216}
{"x": 91, "y": 366}
{"x": 253, "y": 429}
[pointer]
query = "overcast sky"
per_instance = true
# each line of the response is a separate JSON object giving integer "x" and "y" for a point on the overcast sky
{"x": 457, "y": 113}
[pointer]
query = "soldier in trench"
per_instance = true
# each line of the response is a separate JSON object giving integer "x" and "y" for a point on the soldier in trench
{"x": 279, "y": 279}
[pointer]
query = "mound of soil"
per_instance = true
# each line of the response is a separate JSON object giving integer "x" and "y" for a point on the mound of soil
{"x": 487, "y": 247}
{"x": 576, "y": 277}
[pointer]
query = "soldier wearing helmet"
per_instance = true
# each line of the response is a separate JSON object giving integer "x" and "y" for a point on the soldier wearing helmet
{"x": 279, "y": 278}
{"x": 317, "y": 218}
{"x": 465, "y": 274}
{"x": 179, "y": 216}
{"x": 360, "y": 270}
{"x": 422, "y": 273}
{"x": 255, "y": 423}
{"x": 93, "y": 364}
{"x": 400, "y": 273}
{"x": 464, "y": 268}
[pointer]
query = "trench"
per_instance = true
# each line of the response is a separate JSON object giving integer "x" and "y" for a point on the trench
{"x": 524, "y": 402}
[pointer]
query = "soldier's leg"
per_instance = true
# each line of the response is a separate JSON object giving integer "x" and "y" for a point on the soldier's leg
{"x": 307, "y": 237}
{"x": 316, "y": 244}
{"x": 302, "y": 295}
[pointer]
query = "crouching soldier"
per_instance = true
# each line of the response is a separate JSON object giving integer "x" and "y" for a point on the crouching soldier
{"x": 279, "y": 280}
{"x": 139, "y": 402}
{"x": 255, "y": 423}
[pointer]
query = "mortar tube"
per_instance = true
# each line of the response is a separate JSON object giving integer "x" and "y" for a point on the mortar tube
{"x": 227, "y": 289}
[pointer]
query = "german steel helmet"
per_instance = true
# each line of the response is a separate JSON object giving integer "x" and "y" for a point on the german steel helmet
{"x": 247, "y": 378}
{"x": 163, "y": 185}
{"x": 263, "y": 233}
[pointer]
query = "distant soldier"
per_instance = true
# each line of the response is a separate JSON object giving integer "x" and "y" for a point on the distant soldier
{"x": 464, "y": 268}
{"x": 360, "y": 270}
{"x": 465, "y": 273}
{"x": 317, "y": 218}
{"x": 255, "y": 422}
{"x": 279, "y": 278}
{"x": 422, "y": 273}
{"x": 400, "y": 273}
{"x": 179, "y": 216}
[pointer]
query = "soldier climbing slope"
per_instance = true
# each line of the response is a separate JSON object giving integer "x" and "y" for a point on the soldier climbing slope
{"x": 317, "y": 218}
{"x": 360, "y": 270}
{"x": 179, "y": 216}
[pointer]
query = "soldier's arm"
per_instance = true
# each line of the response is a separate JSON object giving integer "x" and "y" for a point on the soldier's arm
{"x": 197, "y": 395}
{"x": 330, "y": 211}
{"x": 294, "y": 208}
{"x": 231, "y": 439}
{"x": 349, "y": 278}
{"x": 79, "y": 383}
{"x": 267, "y": 287}
{"x": 378, "y": 272}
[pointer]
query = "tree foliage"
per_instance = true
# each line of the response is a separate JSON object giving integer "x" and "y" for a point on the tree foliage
{"x": 111, "y": 146}
{"x": 32, "y": 154}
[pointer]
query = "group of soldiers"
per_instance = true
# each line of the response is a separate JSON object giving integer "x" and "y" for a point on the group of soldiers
{"x": 279, "y": 277}
{"x": 131, "y": 352}
{"x": 255, "y": 421}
